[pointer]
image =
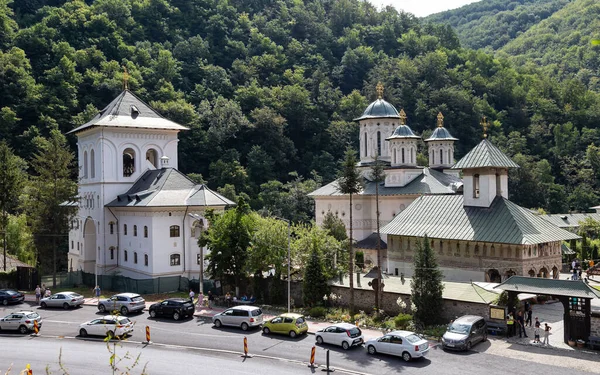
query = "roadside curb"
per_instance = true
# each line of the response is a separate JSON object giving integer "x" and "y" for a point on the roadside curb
{"x": 565, "y": 350}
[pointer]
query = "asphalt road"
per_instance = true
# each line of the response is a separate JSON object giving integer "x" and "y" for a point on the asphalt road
{"x": 192, "y": 341}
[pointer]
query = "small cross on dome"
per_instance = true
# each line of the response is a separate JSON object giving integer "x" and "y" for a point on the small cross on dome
{"x": 125, "y": 78}
{"x": 402, "y": 117}
{"x": 379, "y": 88}
{"x": 485, "y": 124}
{"x": 440, "y": 120}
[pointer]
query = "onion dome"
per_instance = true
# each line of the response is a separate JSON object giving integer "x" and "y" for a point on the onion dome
{"x": 403, "y": 131}
{"x": 441, "y": 133}
{"x": 379, "y": 108}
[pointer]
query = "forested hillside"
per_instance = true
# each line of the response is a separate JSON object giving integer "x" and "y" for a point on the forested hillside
{"x": 269, "y": 90}
{"x": 490, "y": 24}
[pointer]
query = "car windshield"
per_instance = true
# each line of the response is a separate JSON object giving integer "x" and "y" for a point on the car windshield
{"x": 413, "y": 338}
{"x": 137, "y": 299}
{"x": 459, "y": 328}
{"x": 11, "y": 292}
{"x": 256, "y": 312}
{"x": 300, "y": 320}
{"x": 123, "y": 320}
{"x": 74, "y": 295}
{"x": 33, "y": 315}
{"x": 354, "y": 332}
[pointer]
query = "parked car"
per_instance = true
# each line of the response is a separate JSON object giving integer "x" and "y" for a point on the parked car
{"x": 22, "y": 321}
{"x": 11, "y": 296}
{"x": 288, "y": 324}
{"x": 108, "y": 326}
{"x": 465, "y": 332}
{"x": 62, "y": 299}
{"x": 123, "y": 302}
{"x": 344, "y": 334}
{"x": 176, "y": 308}
{"x": 239, "y": 316}
{"x": 404, "y": 344}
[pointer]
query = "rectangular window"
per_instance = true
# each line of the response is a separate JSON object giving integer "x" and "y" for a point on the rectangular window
{"x": 125, "y": 229}
{"x": 77, "y": 246}
{"x": 146, "y": 260}
{"x": 135, "y": 257}
{"x": 174, "y": 230}
{"x": 112, "y": 253}
{"x": 175, "y": 259}
{"x": 145, "y": 231}
{"x": 112, "y": 227}
{"x": 135, "y": 231}
{"x": 476, "y": 186}
{"x": 125, "y": 255}
{"x": 72, "y": 245}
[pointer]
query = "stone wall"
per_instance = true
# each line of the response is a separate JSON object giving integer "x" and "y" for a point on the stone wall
{"x": 595, "y": 327}
{"x": 365, "y": 300}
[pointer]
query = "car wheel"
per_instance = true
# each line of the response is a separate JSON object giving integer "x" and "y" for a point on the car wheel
{"x": 406, "y": 356}
{"x": 23, "y": 329}
{"x": 43, "y": 305}
{"x": 83, "y": 332}
{"x": 293, "y": 334}
{"x": 345, "y": 345}
{"x": 110, "y": 334}
{"x": 244, "y": 326}
{"x": 218, "y": 323}
{"x": 468, "y": 347}
{"x": 176, "y": 316}
{"x": 319, "y": 340}
{"x": 266, "y": 331}
{"x": 153, "y": 313}
{"x": 101, "y": 308}
{"x": 66, "y": 306}
{"x": 5, "y": 302}
{"x": 371, "y": 349}
{"x": 124, "y": 310}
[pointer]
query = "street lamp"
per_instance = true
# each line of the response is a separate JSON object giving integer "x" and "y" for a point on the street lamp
{"x": 289, "y": 261}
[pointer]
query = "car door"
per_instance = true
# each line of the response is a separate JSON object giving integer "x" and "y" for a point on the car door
{"x": 276, "y": 324}
{"x": 328, "y": 334}
{"x": 480, "y": 329}
{"x": 226, "y": 317}
{"x": 340, "y": 335}
{"x": 398, "y": 345}
{"x": 161, "y": 309}
{"x": 58, "y": 300}
{"x": 287, "y": 325}
{"x": 3, "y": 296}
{"x": 383, "y": 344}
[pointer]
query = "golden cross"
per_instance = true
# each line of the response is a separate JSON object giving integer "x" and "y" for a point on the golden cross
{"x": 402, "y": 117}
{"x": 485, "y": 124}
{"x": 379, "y": 90}
{"x": 440, "y": 120}
{"x": 125, "y": 78}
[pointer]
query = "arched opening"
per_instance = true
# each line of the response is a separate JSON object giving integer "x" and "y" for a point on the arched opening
{"x": 92, "y": 164}
{"x": 531, "y": 273}
{"x": 403, "y": 155}
{"x": 198, "y": 228}
{"x": 449, "y": 158}
{"x": 543, "y": 273}
{"x": 395, "y": 160}
{"x": 510, "y": 273}
{"x": 498, "y": 185}
{"x": 441, "y": 156}
{"x": 379, "y": 143}
{"x": 431, "y": 157}
{"x": 85, "y": 164}
{"x": 493, "y": 276}
{"x": 128, "y": 162}
{"x": 476, "y": 186}
{"x": 152, "y": 157}
{"x": 555, "y": 272}
{"x": 366, "y": 151}
{"x": 89, "y": 246}
{"x": 412, "y": 154}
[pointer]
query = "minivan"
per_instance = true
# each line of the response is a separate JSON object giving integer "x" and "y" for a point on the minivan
{"x": 239, "y": 316}
{"x": 464, "y": 332}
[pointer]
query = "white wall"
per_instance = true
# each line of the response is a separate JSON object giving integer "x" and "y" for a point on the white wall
{"x": 450, "y": 274}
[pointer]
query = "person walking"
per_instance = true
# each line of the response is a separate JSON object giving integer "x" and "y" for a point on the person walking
{"x": 547, "y": 329}
{"x": 529, "y": 315}
{"x": 200, "y": 300}
{"x": 43, "y": 294}
{"x": 192, "y": 294}
{"x": 38, "y": 295}
{"x": 97, "y": 292}
{"x": 510, "y": 324}
{"x": 521, "y": 324}
{"x": 211, "y": 299}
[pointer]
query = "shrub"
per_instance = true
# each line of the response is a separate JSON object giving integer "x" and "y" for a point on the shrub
{"x": 317, "y": 312}
{"x": 435, "y": 331}
{"x": 402, "y": 320}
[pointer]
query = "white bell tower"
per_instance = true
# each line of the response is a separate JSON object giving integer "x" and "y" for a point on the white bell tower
{"x": 441, "y": 146}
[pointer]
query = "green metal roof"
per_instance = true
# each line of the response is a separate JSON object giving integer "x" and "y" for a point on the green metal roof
{"x": 554, "y": 287}
{"x": 402, "y": 132}
{"x": 379, "y": 109}
{"x": 445, "y": 217}
{"x": 483, "y": 155}
{"x": 441, "y": 134}
{"x": 429, "y": 182}
{"x": 569, "y": 220}
{"x": 566, "y": 250}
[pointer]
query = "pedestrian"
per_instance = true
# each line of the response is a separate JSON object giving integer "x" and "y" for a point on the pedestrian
{"x": 402, "y": 277}
{"x": 200, "y": 300}
{"x": 38, "y": 295}
{"x": 579, "y": 274}
{"x": 192, "y": 294}
{"x": 510, "y": 325}
{"x": 211, "y": 299}
{"x": 43, "y": 290}
{"x": 47, "y": 293}
{"x": 536, "y": 335}
{"x": 97, "y": 292}
{"x": 547, "y": 329}
{"x": 521, "y": 324}
{"x": 529, "y": 315}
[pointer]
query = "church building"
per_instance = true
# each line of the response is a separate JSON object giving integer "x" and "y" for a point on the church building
{"x": 137, "y": 215}
{"x": 478, "y": 234}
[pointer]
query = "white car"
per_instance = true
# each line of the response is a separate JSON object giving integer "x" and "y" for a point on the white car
{"x": 22, "y": 321}
{"x": 404, "y": 344}
{"x": 65, "y": 300}
{"x": 344, "y": 334}
{"x": 109, "y": 325}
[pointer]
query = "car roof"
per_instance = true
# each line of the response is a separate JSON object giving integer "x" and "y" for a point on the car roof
{"x": 468, "y": 319}
{"x": 130, "y": 295}
{"x": 401, "y": 333}
{"x": 292, "y": 315}
{"x": 113, "y": 317}
{"x": 9, "y": 290}
{"x": 245, "y": 307}
{"x": 344, "y": 325}
{"x": 67, "y": 292}
{"x": 23, "y": 312}
{"x": 177, "y": 299}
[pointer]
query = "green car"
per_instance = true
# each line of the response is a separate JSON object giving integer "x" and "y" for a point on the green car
{"x": 288, "y": 324}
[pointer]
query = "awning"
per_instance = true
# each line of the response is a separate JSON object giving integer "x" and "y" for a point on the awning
{"x": 566, "y": 250}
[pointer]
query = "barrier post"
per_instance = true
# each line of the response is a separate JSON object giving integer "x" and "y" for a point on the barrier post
{"x": 246, "y": 355}
{"x": 312, "y": 357}
{"x": 148, "y": 335}
{"x": 327, "y": 364}
{"x": 36, "y": 328}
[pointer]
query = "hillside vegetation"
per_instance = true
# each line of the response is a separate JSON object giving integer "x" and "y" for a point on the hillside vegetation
{"x": 269, "y": 89}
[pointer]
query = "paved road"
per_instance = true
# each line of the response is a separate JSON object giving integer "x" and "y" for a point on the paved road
{"x": 189, "y": 336}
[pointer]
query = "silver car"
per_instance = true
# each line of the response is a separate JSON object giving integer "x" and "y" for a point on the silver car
{"x": 123, "y": 302}
{"x": 239, "y": 316}
{"x": 22, "y": 321}
{"x": 65, "y": 300}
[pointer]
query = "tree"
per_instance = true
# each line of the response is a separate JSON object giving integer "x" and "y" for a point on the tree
{"x": 269, "y": 246}
{"x": 335, "y": 226}
{"x": 426, "y": 285}
{"x": 51, "y": 185}
{"x": 12, "y": 178}
{"x": 378, "y": 176}
{"x": 229, "y": 237}
{"x": 310, "y": 236}
{"x": 349, "y": 182}
{"x": 314, "y": 285}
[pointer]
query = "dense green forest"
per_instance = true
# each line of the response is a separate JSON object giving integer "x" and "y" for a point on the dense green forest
{"x": 491, "y": 24}
{"x": 269, "y": 89}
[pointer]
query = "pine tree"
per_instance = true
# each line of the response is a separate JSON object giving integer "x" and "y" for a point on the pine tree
{"x": 314, "y": 286}
{"x": 426, "y": 285}
{"x": 378, "y": 176}
{"x": 349, "y": 182}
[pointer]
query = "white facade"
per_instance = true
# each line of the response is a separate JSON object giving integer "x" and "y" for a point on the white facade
{"x": 373, "y": 133}
{"x": 481, "y": 186}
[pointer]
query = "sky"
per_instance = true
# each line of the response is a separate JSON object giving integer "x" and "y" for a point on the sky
{"x": 422, "y": 8}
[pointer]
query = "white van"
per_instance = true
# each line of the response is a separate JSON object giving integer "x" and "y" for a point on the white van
{"x": 239, "y": 316}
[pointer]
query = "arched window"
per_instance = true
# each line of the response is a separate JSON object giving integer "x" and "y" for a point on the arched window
{"x": 135, "y": 257}
{"x": 124, "y": 229}
{"x": 379, "y": 143}
{"x": 135, "y": 231}
{"x": 111, "y": 225}
{"x": 85, "y": 165}
{"x": 395, "y": 156}
{"x": 431, "y": 161}
{"x": 366, "y": 141}
{"x": 125, "y": 255}
{"x": 476, "y": 186}
{"x": 112, "y": 252}
{"x": 128, "y": 162}
{"x": 449, "y": 158}
{"x": 145, "y": 231}
{"x": 146, "y": 260}
{"x": 403, "y": 155}
{"x": 92, "y": 164}
{"x": 175, "y": 259}
{"x": 498, "y": 185}
{"x": 412, "y": 153}
{"x": 152, "y": 157}
{"x": 441, "y": 156}
{"x": 174, "y": 231}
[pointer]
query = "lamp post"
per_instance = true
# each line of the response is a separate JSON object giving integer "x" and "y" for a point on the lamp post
{"x": 289, "y": 298}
